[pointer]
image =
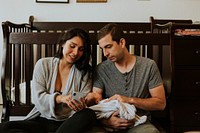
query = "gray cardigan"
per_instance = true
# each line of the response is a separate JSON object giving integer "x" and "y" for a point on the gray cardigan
{"x": 43, "y": 89}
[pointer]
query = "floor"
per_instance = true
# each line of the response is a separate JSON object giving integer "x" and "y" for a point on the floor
{"x": 12, "y": 118}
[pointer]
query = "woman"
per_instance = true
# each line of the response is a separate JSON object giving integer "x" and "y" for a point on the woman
{"x": 54, "y": 81}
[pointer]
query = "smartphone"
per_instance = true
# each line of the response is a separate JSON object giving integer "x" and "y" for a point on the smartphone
{"x": 78, "y": 95}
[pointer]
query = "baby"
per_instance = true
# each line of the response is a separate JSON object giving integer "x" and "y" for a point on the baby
{"x": 92, "y": 98}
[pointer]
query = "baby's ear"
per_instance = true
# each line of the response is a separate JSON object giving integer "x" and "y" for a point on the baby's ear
{"x": 97, "y": 101}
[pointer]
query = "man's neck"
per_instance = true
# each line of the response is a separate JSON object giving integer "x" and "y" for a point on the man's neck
{"x": 126, "y": 64}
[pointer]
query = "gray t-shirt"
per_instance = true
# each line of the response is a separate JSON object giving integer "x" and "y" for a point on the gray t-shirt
{"x": 143, "y": 76}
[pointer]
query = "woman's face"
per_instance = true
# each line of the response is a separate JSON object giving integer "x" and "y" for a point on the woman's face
{"x": 73, "y": 49}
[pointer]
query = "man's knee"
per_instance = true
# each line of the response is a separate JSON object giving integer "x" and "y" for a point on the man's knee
{"x": 144, "y": 128}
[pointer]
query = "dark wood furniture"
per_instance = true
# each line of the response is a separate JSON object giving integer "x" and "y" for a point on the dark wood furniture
{"x": 8, "y": 70}
{"x": 92, "y": 27}
{"x": 163, "y": 26}
{"x": 26, "y": 50}
{"x": 185, "y": 92}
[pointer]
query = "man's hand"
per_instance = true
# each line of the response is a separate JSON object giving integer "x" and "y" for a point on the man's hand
{"x": 117, "y": 123}
{"x": 120, "y": 98}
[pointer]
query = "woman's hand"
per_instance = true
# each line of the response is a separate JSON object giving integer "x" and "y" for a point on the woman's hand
{"x": 72, "y": 104}
{"x": 77, "y": 105}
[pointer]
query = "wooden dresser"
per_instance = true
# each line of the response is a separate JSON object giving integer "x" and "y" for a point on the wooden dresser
{"x": 185, "y": 90}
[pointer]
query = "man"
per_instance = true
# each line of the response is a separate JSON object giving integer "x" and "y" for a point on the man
{"x": 127, "y": 78}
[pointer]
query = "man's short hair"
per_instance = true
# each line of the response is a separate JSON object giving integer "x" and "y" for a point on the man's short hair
{"x": 113, "y": 29}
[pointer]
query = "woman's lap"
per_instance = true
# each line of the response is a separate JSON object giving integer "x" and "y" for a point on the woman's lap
{"x": 77, "y": 123}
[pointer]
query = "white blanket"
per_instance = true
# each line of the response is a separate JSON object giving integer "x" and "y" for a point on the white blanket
{"x": 127, "y": 111}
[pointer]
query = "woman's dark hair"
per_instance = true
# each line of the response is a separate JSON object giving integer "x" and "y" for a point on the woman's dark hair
{"x": 83, "y": 63}
{"x": 113, "y": 29}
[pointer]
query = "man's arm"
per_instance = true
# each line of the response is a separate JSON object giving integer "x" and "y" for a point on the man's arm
{"x": 157, "y": 101}
{"x": 114, "y": 121}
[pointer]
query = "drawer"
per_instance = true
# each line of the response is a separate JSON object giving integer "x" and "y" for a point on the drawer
{"x": 187, "y": 83}
{"x": 182, "y": 129}
{"x": 185, "y": 112}
{"x": 187, "y": 52}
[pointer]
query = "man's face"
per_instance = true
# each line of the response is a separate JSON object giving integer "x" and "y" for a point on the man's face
{"x": 111, "y": 49}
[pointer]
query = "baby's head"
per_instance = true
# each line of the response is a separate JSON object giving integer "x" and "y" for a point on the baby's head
{"x": 92, "y": 99}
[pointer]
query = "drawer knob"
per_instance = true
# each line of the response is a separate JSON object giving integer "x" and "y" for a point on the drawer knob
{"x": 197, "y": 83}
{"x": 197, "y": 113}
{"x": 197, "y": 52}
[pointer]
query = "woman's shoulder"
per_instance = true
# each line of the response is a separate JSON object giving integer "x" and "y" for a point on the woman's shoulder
{"x": 47, "y": 60}
{"x": 44, "y": 65}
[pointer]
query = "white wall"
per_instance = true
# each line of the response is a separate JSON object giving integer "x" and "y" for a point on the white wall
{"x": 114, "y": 10}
